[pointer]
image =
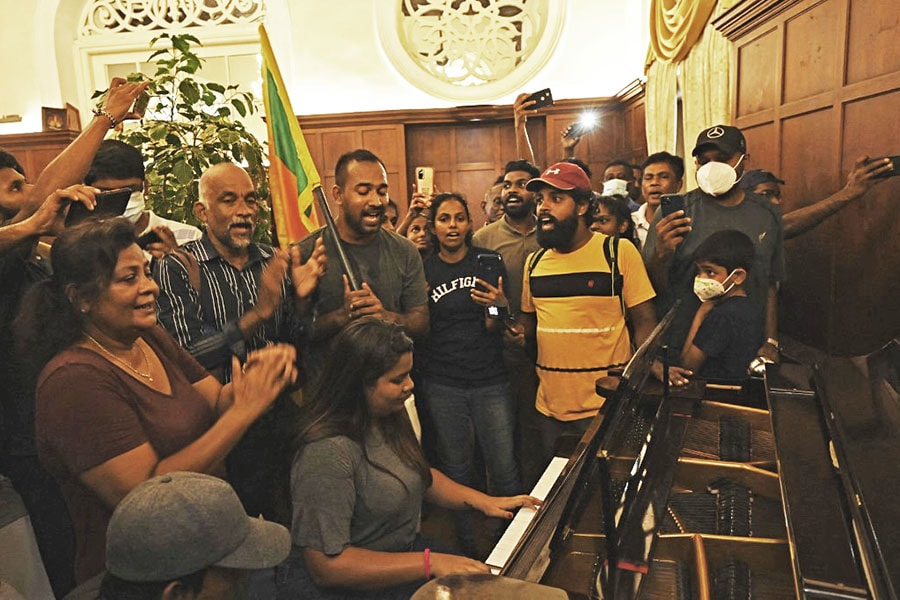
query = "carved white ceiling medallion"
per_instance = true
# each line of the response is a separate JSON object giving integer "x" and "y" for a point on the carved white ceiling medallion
{"x": 469, "y": 49}
{"x": 102, "y": 17}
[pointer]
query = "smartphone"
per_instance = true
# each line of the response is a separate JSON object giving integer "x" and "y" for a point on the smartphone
{"x": 895, "y": 160}
{"x": 670, "y": 203}
{"x": 151, "y": 237}
{"x": 425, "y": 180}
{"x": 109, "y": 204}
{"x": 578, "y": 129}
{"x": 541, "y": 99}
{"x": 488, "y": 267}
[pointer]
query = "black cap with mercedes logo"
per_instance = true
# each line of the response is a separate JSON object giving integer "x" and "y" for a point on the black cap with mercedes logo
{"x": 724, "y": 137}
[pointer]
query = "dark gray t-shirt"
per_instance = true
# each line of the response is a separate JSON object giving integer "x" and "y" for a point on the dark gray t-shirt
{"x": 756, "y": 217}
{"x": 340, "y": 499}
{"x": 391, "y": 266}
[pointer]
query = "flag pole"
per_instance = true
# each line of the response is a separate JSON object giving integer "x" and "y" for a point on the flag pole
{"x": 331, "y": 228}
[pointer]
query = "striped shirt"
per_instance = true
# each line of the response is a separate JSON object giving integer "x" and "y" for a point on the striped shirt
{"x": 205, "y": 319}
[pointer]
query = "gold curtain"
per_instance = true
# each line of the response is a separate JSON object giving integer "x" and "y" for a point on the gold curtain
{"x": 675, "y": 26}
{"x": 686, "y": 53}
{"x": 706, "y": 86}
{"x": 661, "y": 111}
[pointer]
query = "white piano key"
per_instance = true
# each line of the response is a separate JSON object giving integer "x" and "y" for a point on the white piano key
{"x": 501, "y": 552}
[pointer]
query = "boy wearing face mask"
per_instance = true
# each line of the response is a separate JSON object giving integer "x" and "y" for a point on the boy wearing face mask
{"x": 727, "y": 329}
{"x": 718, "y": 204}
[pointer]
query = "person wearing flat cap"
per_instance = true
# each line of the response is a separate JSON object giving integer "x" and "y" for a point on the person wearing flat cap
{"x": 574, "y": 306}
{"x": 184, "y": 536}
{"x": 718, "y": 204}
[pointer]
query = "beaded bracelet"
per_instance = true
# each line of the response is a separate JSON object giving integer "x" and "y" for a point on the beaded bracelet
{"x": 426, "y": 558}
{"x": 105, "y": 113}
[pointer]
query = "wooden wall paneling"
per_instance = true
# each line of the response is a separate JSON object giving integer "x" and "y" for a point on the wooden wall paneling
{"x": 838, "y": 99}
{"x": 35, "y": 151}
{"x": 808, "y": 294}
{"x": 757, "y": 88}
{"x": 873, "y": 49}
{"x": 814, "y": 57}
{"x": 867, "y": 245}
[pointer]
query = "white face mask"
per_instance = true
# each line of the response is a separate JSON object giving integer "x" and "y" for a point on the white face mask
{"x": 135, "y": 207}
{"x": 717, "y": 178}
{"x": 615, "y": 187}
{"x": 710, "y": 289}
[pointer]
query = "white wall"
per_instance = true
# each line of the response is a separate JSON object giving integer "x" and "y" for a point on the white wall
{"x": 329, "y": 53}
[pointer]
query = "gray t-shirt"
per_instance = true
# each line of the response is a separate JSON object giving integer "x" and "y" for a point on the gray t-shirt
{"x": 340, "y": 499}
{"x": 391, "y": 266}
{"x": 756, "y": 217}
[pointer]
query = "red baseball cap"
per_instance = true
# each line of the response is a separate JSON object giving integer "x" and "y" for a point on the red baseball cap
{"x": 563, "y": 176}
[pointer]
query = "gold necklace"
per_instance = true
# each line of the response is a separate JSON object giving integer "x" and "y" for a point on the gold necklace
{"x": 118, "y": 360}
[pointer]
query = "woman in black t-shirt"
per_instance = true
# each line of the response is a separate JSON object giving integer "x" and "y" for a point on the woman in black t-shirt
{"x": 465, "y": 380}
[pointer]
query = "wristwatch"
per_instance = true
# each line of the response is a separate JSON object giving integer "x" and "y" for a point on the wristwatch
{"x": 773, "y": 342}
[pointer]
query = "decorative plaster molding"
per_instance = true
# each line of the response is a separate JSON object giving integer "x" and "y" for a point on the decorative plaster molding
{"x": 747, "y": 15}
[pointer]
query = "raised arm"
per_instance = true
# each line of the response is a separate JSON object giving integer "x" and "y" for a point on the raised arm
{"x": 520, "y": 119}
{"x": 72, "y": 164}
{"x": 862, "y": 177}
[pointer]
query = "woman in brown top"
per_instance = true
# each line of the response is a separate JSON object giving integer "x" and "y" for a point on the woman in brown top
{"x": 118, "y": 400}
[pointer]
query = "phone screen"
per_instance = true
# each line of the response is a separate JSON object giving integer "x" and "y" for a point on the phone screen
{"x": 109, "y": 204}
{"x": 670, "y": 203}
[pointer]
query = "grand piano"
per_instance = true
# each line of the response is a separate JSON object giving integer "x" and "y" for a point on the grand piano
{"x": 785, "y": 487}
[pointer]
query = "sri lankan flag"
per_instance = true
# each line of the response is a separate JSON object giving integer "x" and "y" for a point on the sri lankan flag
{"x": 292, "y": 174}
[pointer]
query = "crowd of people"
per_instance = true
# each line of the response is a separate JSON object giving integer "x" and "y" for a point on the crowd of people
{"x": 157, "y": 389}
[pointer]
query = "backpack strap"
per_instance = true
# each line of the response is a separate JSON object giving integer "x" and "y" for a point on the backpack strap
{"x": 611, "y": 252}
{"x": 534, "y": 260}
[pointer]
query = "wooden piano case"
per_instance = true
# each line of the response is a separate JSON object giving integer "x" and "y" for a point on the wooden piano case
{"x": 671, "y": 495}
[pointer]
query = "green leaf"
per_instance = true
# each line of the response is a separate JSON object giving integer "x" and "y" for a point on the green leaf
{"x": 216, "y": 87}
{"x": 190, "y": 91}
{"x": 158, "y": 132}
{"x": 181, "y": 44}
{"x": 242, "y": 110}
{"x": 183, "y": 172}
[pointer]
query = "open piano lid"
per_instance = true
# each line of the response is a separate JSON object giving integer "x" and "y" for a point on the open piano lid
{"x": 636, "y": 502}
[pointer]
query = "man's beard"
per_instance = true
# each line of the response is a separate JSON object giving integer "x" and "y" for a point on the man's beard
{"x": 520, "y": 210}
{"x": 561, "y": 235}
{"x": 355, "y": 222}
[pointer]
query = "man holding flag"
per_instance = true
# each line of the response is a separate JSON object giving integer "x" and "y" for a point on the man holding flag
{"x": 388, "y": 266}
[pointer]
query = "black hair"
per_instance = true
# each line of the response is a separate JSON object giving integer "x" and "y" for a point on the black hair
{"x": 336, "y": 405}
{"x": 432, "y": 213}
{"x": 115, "y": 160}
{"x": 728, "y": 248}
{"x": 580, "y": 163}
{"x": 83, "y": 258}
{"x": 343, "y": 163}
{"x": 8, "y": 161}
{"x": 676, "y": 162}
{"x": 113, "y": 588}
{"x": 522, "y": 165}
{"x": 621, "y": 162}
{"x": 617, "y": 206}
{"x": 392, "y": 204}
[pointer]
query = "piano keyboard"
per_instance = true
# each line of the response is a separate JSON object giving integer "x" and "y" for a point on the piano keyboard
{"x": 501, "y": 552}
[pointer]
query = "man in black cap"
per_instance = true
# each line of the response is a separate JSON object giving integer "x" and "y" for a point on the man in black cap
{"x": 185, "y": 536}
{"x": 865, "y": 173}
{"x": 719, "y": 203}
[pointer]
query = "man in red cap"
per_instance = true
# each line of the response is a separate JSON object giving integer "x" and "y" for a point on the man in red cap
{"x": 574, "y": 304}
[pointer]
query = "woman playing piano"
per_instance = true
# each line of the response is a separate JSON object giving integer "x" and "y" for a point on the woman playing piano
{"x": 359, "y": 477}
